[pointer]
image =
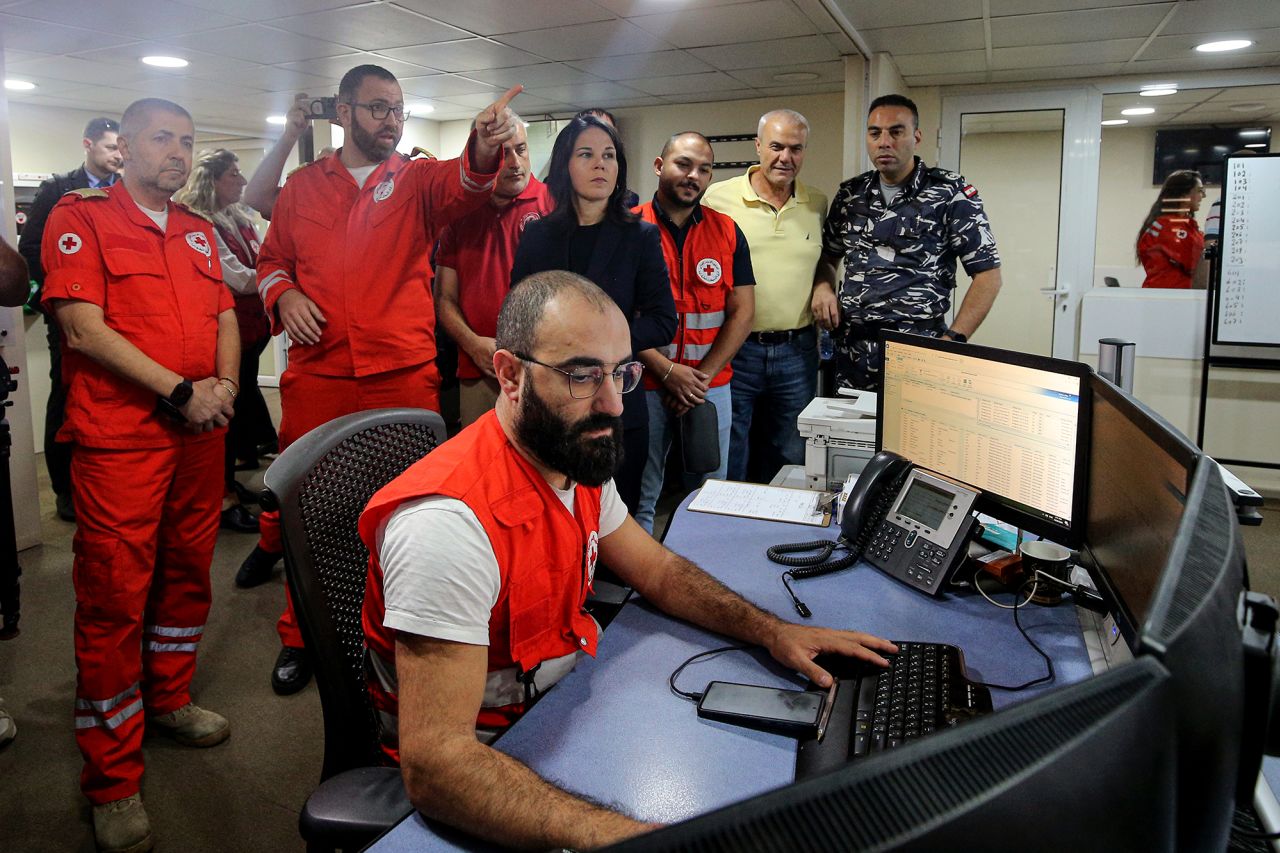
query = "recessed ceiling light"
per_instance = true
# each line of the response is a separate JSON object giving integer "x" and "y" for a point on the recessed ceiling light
{"x": 19, "y": 85}
{"x": 795, "y": 77}
{"x": 420, "y": 109}
{"x": 1255, "y": 145}
{"x": 1254, "y": 132}
{"x": 1157, "y": 93}
{"x": 276, "y": 119}
{"x": 1112, "y": 122}
{"x": 1251, "y": 107}
{"x": 1138, "y": 111}
{"x": 1220, "y": 46}
{"x": 165, "y": 61}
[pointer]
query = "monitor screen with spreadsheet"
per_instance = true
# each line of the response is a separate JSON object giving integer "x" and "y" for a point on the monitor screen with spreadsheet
{"x": 1013, "y": 425}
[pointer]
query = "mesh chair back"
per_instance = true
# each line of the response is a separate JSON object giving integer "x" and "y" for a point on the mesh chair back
{"x": 321, "y": 483}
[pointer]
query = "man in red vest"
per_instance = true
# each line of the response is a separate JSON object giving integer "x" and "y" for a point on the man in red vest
{"x": 345, "y": 270}
{"x": 714, "y": 288}
{"x": 482, "y": 556}
{"x": 152, "y": 349}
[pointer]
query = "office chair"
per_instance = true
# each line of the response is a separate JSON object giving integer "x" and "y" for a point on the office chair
{"x": 320, "y": 484}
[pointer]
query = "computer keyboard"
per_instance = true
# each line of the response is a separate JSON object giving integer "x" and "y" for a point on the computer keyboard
{"x": 923, "y": 690}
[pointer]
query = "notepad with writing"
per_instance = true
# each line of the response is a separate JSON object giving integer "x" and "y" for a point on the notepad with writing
{"x": 770, "y": 503}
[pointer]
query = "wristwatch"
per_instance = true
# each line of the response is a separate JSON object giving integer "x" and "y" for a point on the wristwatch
{"x": 960, "y": 337}
{"x": 181, "y": 394}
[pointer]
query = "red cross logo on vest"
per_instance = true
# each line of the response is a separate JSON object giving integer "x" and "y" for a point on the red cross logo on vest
{"x": 199, "y": 242}
{"x": 593, "y": 551}
{"x": 69, "y": 244}
{"x": 709, "y": 270}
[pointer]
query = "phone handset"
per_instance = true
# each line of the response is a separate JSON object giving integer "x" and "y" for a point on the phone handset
{"x": 868, "y": 504}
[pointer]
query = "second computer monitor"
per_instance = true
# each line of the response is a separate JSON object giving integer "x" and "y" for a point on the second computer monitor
{"x": 1013, "y": 425}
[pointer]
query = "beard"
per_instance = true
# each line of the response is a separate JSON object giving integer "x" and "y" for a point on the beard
{"x": 369, "y": 145}
{"x": 560, "y": 445}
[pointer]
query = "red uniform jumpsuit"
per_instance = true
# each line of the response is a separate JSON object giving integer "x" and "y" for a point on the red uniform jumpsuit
{"x": 363, "y": 256}
{"x": 1169, "y": 249}
{"x": 545, "y": 558}
{"x": 147, "y": 492}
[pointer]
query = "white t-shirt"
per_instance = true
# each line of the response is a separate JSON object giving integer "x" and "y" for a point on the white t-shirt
{"x": 159, "y": 217}
{"x": 440, "y": 577}
{"x": 362, "y": 173}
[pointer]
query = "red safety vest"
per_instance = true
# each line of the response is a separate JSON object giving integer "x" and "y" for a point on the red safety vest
{"x": 545, "y": 555}
{"x": 250, "y": 315}
{"x": 701, "y": 281}
{"x": 1169, "y": 249}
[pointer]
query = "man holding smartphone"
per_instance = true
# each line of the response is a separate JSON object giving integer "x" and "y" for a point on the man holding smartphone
{"x": 345, "y": 270}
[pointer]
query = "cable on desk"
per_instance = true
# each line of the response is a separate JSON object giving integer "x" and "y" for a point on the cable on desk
{"x": 695, "y": 697}
{"x": 978, "y": 586}
{"x": 1018, "y": 602}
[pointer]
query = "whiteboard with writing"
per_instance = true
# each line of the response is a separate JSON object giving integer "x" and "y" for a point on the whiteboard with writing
{"x": 1248, "y": 310}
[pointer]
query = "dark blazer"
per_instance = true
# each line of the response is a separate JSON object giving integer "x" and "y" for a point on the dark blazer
{"x": 51, "y": 189}
{"x": 628, "y": 265}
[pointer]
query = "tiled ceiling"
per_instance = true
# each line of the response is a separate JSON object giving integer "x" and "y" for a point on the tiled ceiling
{"x": 248, "y": 57}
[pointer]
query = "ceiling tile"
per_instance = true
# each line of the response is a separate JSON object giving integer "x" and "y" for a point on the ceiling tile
{"x": 266, "y": 10}
{"x": 140, "y": 19}
{"x": 272, "y": 78}
{"x": 1183, "y": 46}
{"x": 335, "y": 66}
{"x": 42, "y": 37}
{"x": 1048, "y": 56}
{"x": 12, "y": 55}
{"x": 800, "y": 89}
{"x": 1213, "y": 18}
{"x": 466, "y": 55}
{"x": 1245, "y": 94}
{"x": 547, "y": 73}
{"x": 492, "y": 17}
{"x": 444, "y": 85}
{"x": 828, "y": 72}
{"x": 1203, "y": 62}
{"x": 927, "y": 38}
{"x": 183, "y": 89}
{"x": 1084, "y": 26}
{"x": 870, "y": 16}
{"x": 67, "y": 68}
{"x": 370, "y": 27}
{"x": 574, "y": 93}
{"x": 685, "y": 84}
{"x": 1000, "y": 8}
{"x": 480, "y": 100}
{"x": 768, "y": 53}
{"x": 941, "y": 63}
{"x": 634, "y": 8}
{"x": 255, "y": 41}
{"x": 641, "y": 101}
{"x": 580, "y": 41}
{"x": 636, "y": 65}
{"x": 966, "y": 79}
{"x": 1053, "y": 72}
{"x": 728, "y": 24}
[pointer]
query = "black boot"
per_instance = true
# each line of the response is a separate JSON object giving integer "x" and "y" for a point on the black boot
{"x": 256, "y": 568}
{"x": 291, "y": 672}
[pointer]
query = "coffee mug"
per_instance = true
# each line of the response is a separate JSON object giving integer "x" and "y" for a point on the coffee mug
{"x": 1047, "y": 557}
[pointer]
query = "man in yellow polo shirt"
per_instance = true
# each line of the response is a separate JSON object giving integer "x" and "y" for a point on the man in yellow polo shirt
{"x": 775, "y": 373}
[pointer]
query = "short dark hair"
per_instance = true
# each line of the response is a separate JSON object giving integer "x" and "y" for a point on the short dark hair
{"x": 897, "y": 101}
{"x": 525, "y": 304}
{"x": 96, "y": 127}
{"x": 352, "y": 79}
{"x": 666, "y": 146}
{"x": 138, "y": 112}
{"x": 598, "y": 112}
{"x": 561, "y": 186}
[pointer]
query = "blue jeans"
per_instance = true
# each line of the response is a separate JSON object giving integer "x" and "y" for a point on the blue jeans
{"x": 772, "y": 382}
{"x": 662, "y": 429}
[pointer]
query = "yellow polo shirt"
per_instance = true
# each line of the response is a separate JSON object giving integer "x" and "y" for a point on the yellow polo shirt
{"x": 785, "y": 247}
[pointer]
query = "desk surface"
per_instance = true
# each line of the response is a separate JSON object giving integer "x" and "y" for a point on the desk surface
{"x": 613, "y": 730}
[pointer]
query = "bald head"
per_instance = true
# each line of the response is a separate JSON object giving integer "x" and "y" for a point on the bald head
{"x": 684, "y": 136}
{"x": 526, "y": 306}
{"x": 140, "y": 114}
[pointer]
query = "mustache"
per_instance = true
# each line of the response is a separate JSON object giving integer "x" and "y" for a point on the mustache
{"x": 597, "y": 421}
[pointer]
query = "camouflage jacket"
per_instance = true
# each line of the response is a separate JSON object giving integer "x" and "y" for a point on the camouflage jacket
{"x": 900, "y": 261}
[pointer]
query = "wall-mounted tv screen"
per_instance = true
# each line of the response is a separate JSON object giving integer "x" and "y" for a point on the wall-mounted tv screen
{"x": 1203, "y": 149}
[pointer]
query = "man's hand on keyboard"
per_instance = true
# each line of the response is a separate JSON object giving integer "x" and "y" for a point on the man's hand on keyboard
{"x": 797, "y": 645}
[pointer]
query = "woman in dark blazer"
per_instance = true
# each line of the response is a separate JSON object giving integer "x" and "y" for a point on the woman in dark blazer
{"x": 591, "y": 232}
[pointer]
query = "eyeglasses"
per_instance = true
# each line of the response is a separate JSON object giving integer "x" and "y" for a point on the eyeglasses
{"x": 379, "y": 110}
{"x": 584, "y": 382}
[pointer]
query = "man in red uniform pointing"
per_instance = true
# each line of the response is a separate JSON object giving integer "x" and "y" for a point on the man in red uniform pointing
{"x": 152, "y": 343}
{"x": 345, "y": 270}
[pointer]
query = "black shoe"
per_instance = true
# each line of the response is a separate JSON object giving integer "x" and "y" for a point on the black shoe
{"x": 256, "y": 568}
{"x": 269, "y": 448}
{"x": 245, "y": 495}
{"x": 66, "y": 509}
{"x": 239, "y": 519}
{"x": 292, "y": 671}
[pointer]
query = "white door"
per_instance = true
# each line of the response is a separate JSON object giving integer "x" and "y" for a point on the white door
{"x": 1033, "y": 157}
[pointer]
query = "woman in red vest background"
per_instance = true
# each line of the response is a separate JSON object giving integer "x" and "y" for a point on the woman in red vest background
{"x": 1170, "y": 242}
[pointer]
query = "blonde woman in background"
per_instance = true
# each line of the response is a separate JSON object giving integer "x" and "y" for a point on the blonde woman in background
{"x": 214, "y": 189}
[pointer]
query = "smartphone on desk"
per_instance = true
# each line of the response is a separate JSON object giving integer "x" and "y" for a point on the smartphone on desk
{"x": 771, "y": 709}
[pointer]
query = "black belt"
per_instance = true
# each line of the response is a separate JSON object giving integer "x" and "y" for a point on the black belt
{"x": 780, "y": 337}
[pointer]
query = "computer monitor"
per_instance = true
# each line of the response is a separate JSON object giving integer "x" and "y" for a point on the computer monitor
{"x": 1086, "y": 767}
{"x": 1013, "y": 425}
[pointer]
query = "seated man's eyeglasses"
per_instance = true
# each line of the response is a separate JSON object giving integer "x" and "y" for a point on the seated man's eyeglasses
{"x": 379, "y": 110}
{"x": 585, "y": 381}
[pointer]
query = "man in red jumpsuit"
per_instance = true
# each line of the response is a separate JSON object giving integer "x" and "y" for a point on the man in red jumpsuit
{"x": 152, "y": 346}
{"x": 482, "y": 557}
{"x": 345, "y": 270}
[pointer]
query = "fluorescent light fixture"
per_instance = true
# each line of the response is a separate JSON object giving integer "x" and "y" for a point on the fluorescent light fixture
{"x": 795, "y": 77}
{"x": 1254, "y": 132}
{"x": 1220, "y": 46}
{"x": 276, "y": 119}
{"x": 18, "y": 85}
{"x": 1255, "y": 145}
{"x": 165, "y": 61}
{"x": 418, "y": 109}
{"x": 1157, "y": 93}
{"x": 1112, "y": 122}
{"x": 1250, "y": 107}
{"x": 1138, "y": 111}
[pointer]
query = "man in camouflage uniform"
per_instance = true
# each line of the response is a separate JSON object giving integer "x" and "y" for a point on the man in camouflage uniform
{"x": 899, "y": 230}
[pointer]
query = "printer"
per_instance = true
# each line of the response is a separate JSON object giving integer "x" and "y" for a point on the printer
{"x": 840, "y": 438}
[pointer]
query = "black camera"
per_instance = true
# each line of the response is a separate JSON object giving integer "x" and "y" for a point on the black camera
{"x": 325, "y": 108}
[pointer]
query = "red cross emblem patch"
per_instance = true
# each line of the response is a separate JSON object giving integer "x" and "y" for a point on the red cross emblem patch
{"x": 199, "y": 242}
{"x": 593, "y": 551}
{"x": 709, "y": 270}
{"x": 69, "y": 244}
